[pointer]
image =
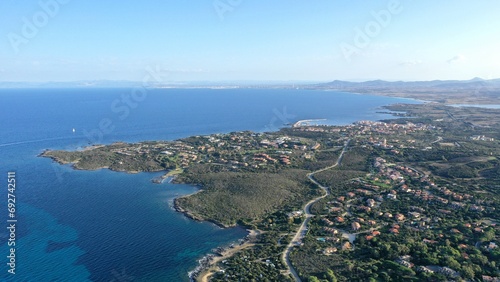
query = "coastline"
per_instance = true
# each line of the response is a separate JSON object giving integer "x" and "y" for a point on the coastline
{"x": 432, "y": 97}
{"x": 193, "y": 259}
{"x": 157, "y": 180}
{"x": 194, "y": 216}
{"x": 74, "y": 165}
{"x": 187, "y": 213}
{"x": 207, "y": 265}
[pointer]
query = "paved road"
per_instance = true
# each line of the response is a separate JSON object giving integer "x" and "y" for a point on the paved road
{"x": 301, "y": 232}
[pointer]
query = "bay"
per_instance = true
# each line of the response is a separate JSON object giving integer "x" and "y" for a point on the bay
{"x": 108, "y": 226}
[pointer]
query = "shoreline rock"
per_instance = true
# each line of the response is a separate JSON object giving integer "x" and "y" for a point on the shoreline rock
{"x": 197, "y": 217}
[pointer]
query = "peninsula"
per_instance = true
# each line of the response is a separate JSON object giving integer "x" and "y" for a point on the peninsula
{"x": 413, "y": 198}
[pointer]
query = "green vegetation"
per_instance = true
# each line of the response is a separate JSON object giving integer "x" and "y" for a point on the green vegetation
{"x": 230, "y": 197}
{"x": 434, "y": 212}
{"x": 145, "y": 157}
{"x": 260, "y": 263}
{"x": 412, "y": 199}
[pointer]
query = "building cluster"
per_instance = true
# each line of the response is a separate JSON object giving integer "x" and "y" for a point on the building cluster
{"x": 398, "y": 176}
{"x": 481, "y": 138}
{"x": 391, "y": 128}
{"x": 360, "y": 210}
{"x": 236, "y": 150}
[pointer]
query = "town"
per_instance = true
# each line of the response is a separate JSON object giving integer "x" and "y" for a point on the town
{"x": 411, "y": 198}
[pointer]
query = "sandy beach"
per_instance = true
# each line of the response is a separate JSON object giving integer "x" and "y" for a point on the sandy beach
{"x": 207, "y": 272}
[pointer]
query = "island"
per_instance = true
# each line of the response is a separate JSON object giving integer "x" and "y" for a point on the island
{"x": 412, "y": 198}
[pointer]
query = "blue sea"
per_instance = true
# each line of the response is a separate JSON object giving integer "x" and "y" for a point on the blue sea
{"x": 109, "y": 226}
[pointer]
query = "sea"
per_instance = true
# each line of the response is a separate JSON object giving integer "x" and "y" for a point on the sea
{"x": 72, "y": 225}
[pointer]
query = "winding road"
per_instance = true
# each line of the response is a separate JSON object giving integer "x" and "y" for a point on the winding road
{"x": 301, "y": 232}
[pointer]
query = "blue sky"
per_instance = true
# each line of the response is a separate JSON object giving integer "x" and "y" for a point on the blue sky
{"x": 255, "y": 40}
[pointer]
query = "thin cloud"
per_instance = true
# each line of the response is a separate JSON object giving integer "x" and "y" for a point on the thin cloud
{"x": 456, "y": 59}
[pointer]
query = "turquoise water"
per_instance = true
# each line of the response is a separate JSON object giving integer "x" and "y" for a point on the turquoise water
{"x": 45, "y": 243}
{"x": 109, "y": 226}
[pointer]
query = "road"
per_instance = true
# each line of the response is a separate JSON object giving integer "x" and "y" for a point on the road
{"x": 301, "y": 232}
{"x": 439, "y": 139}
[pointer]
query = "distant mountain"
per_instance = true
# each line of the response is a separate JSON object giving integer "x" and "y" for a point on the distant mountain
{"x": 366, "y": 86}
{"x": 473, "y": 91}
{"x": 457, "y": 84}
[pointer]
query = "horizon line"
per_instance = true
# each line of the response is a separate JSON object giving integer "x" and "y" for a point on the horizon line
{"x": 248, "y": 82}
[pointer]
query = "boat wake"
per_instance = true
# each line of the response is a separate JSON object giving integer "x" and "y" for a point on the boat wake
{"x": 34, "y": 141}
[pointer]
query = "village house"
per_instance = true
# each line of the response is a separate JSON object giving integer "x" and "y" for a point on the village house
{"x": 400, "y": 217}
{"x": 329, "y": 251}
{"x": 346, "y": 246}
{"x": 370, "y": 202}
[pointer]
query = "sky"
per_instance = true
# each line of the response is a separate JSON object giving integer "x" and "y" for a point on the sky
{"x": 249, "y": 40}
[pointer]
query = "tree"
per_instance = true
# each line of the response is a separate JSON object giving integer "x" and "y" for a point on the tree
{"x": 313, "y": 279}
{"x": 488, "y": 235}
{"x": 331, "y": 276}
{"x": 452, "y": 263}
{"x": 479, "y": 259}
{"x": 468, "y": 272}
